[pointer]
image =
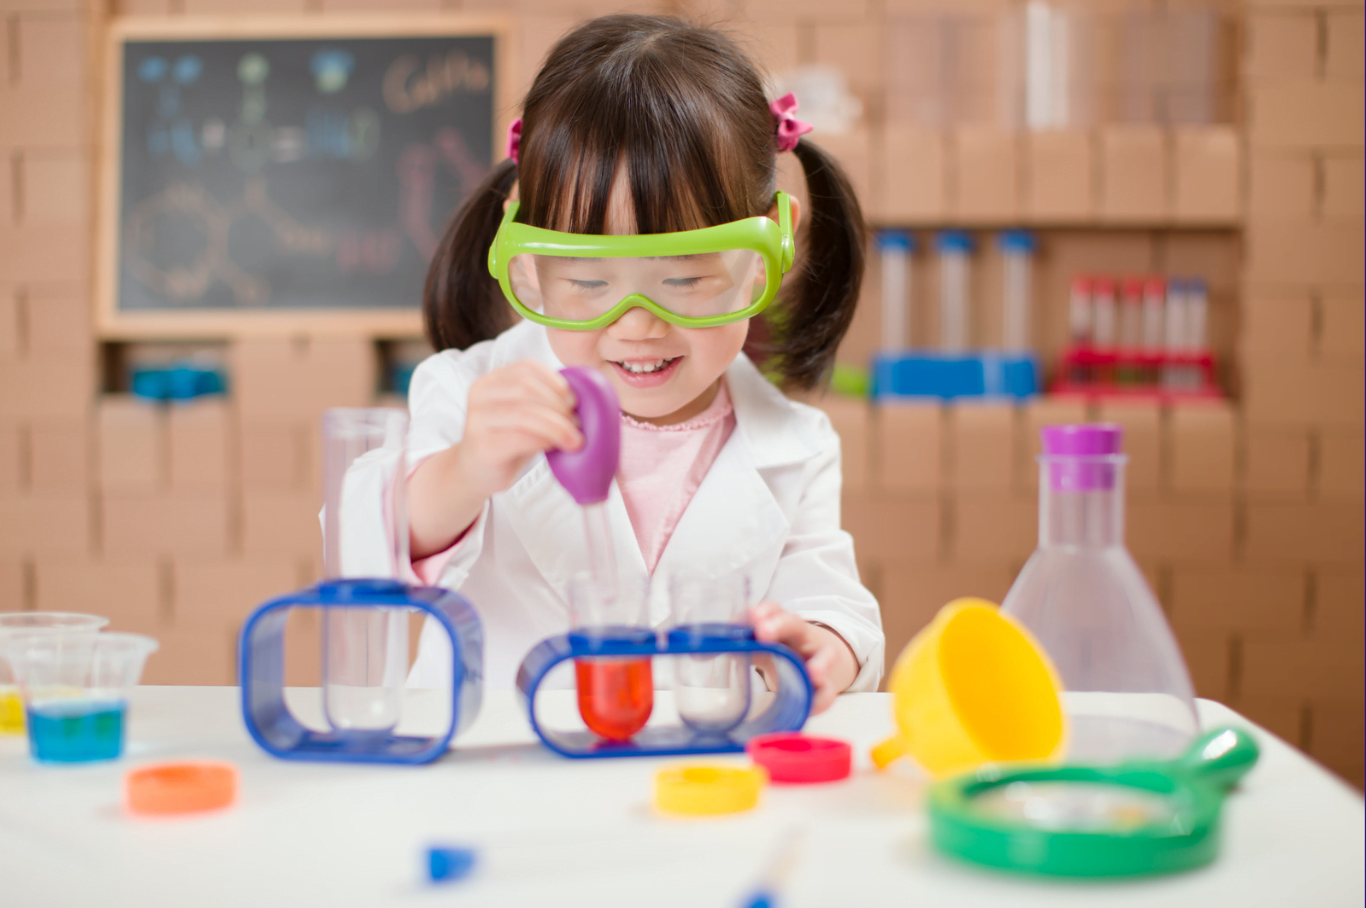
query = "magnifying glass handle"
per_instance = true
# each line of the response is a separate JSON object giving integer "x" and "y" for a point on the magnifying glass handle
{"x": 1220, "y": 757}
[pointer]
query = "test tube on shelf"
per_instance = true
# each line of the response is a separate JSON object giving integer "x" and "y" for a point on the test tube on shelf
{"x": 1017, "y": 251}
{"x": 1079, "y": 311}
{"x": 1197, "y": 328}
{"x": 1154, "y": 298}
{"x": 954, "y": 248}
{"x": 1104, "y": 329}
{"x": 1131, "y": 314}
{"x": 894, "y": 249}
{"x": 1175, "y": 331}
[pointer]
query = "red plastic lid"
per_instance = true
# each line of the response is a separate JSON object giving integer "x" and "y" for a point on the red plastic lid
{"x": 794, "y": 757}
{"x": 1133, "y": 288}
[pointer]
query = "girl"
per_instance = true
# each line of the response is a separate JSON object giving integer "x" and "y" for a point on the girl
{"x": 638, "y": 127}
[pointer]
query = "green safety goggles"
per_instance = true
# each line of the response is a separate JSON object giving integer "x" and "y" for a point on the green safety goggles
{"x": 692, "y": 278}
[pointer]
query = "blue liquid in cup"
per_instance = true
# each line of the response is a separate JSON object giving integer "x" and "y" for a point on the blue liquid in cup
{"x": 75, "y": 731}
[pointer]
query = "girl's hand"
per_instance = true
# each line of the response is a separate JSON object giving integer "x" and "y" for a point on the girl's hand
{"x": 514, "y": 413}
{"x": 829, "y": 660}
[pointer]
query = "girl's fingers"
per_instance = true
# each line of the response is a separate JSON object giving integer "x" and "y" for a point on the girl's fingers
{"x": 555, "y": 429}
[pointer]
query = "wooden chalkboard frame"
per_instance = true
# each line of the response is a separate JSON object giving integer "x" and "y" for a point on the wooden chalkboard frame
{"x": 114, "y": 324}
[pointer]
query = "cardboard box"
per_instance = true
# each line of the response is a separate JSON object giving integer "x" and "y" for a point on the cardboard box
{"x": 1311, "y": 668}
{"x": 1323, "y": 533}
{"x": 221, "y": 593}
{"x": 851, "y": 419}
{"x": 281, "y": 524}
{"x": 1133, "y": 174}
{"x": 1060, "y": 176}
{"x": 808, "y": 10}
{"x": 1201, "y": 448}
{"x": 1336, "y": 735}
{"x": 1276, "y": 322}
{"x": 910, "y": 442}
{"x": 1343, "y": 327}
{"x": 59, "y": 323}
{"x": 164, "y": 523}
{"x": 47, "y": 388}
{"x": 45, "y": 524}
{"x": 1344, "y": 57}
{"x": 1208, "y": 175}
{"x": 271, "y": 455}
{"x": 1246, "y": 598}
{"x": 1142, "y": 423}
{"x": 1285, "y": 717}
{"x": 199, "y": 436}
{"x": 366, "y": 6}
{"x": 854, "y": 154}
{"x": 1275, "y": 463}
{"x": 1282, "y": 186}
{"x": 1282, "y": 46}
{"x": 60, "y": 457}
{"x": 986, "y": 181}
{"x": 774, "y": 42}
{"x": 1314, "y": 254}
{"x": 242, "y": 7}
{"x": 42, "y": 117}
{"x": 1339, "y": 604}
{"x": 854, "y": 48}
{"x": 913, "y": 594}
{"x": 57, "y": 185}
{"x": 1209, "y": 658}
{"x": 914, "y": 175}
{"x": 13, "y": 459}
{"x": 127, "y": 590}
{"x": 194, "y": 658}
{"x": 891, "y": 529}
{"x": 1296, "y": 391}
{"x": 1341, "y": 464}
{"x": 1344, "y": 186}
{"x": 14, "y": 584}
{"x": 132, "y": 444}
{"x": 1181, "y": 532}
{"x": 52, "y": 50}
{"x": 994, "y": 528}
{"x": 1306, "y": 115}
{"x": 982, "y": 444}
{"x": 294, "y": 379}
{"x": 12, "y": 314}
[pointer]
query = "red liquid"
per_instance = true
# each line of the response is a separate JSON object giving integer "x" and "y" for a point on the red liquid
{"x": 616, "y": 696}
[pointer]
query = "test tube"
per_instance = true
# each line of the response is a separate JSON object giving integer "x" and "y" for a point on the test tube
{"x": 712, "y": 691}
{"x": 1154, "y": 297}
{"x": 1197, "y": 328}
{"x": 1079, "y": 311}
{"x": 1103, "y": 325}
{"x": 954, "y": 248}
{"x": 1017, "y": 252}
{"x": 365, "y": 649}
{"x": 615, "y": 693}
{"x": 1131, "y": 315}
{"x": 1175, "y": 333}
{"x": 894, "y": 249}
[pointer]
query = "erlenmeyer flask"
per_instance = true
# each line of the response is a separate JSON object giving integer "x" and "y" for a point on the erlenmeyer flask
{"x": 1127, "y": 692}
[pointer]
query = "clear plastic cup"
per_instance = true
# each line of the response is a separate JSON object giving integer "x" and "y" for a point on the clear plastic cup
{"x": 11, "y": 704}
{"x": 616, "y": 694}
{"x": 75, "y": 688}
{"x": 365, "y": 648}
{"x": 712, "y": 691}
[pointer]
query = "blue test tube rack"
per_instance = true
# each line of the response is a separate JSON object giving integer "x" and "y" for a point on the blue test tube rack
{"x": 788, "y": 712}
{"x": 262, "y": 673}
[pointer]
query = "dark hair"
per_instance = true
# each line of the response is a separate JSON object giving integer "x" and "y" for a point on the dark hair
{"x": 682, "y": 109}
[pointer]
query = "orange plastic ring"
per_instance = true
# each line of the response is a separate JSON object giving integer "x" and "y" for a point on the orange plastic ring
{"x": 180, "y": 787}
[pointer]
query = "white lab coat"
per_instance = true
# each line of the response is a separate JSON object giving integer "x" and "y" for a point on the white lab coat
{"x": 769, "y": 507}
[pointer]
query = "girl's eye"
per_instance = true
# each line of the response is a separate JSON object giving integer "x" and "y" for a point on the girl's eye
{"x": 587, "y": 285}
{"x": 683, "y": 282}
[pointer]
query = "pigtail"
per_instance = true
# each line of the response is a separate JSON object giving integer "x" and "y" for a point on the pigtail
{"x": 461, "y": 303}
{"x": 818, "y": 306}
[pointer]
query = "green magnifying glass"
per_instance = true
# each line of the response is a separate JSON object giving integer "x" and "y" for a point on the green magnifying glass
{"x": 1130, "y": 819}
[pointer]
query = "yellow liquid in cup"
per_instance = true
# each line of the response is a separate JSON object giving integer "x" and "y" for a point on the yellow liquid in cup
{"x": 11, "y": 711}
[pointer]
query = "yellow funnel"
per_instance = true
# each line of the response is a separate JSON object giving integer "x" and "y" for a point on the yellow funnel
{"x": 973, "y": 687}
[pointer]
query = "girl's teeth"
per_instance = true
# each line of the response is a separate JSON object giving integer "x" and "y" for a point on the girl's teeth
{"x": 643, "y": 368}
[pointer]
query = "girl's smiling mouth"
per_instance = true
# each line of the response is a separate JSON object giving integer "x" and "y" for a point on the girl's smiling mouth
{"x": 646, "y": 373}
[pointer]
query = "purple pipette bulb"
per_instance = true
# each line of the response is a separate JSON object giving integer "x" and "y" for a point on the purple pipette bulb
{"x": 587, "y": 473}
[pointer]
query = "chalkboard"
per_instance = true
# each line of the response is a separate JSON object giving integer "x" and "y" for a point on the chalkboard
{"x": 295, "y": 176}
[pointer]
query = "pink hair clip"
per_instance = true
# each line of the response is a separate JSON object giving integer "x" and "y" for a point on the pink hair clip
{"x": 515, "y": 139}
{"x": 790, "y": 129}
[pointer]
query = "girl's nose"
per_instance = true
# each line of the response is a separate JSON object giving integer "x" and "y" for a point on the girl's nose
{"x": 638, "y": 324}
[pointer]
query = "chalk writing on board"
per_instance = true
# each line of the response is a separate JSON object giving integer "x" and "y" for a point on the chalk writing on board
{"x": 295, "y": 173}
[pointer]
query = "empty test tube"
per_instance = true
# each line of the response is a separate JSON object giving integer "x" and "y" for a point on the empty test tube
{"x": 1017, "y": 251}
{"x": 954, "y": 248}
{"x": 1154, "y": 299}
{"x": 1104, "y": 329}
{"x": 1079, "y": 311}
{"x": 894, "y": 249}
{"x": 1131, "y": 315}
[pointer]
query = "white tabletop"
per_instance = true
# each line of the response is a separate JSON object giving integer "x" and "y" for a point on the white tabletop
{"x": 582, "y": 832}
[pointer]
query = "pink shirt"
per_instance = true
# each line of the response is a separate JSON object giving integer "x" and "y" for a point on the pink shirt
{"x": 662, "y": 466}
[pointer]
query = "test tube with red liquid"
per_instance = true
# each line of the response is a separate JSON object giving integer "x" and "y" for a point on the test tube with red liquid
{"x": 616, "y": 694}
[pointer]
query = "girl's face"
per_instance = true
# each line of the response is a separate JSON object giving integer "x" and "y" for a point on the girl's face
{"x": 662, "y": 373}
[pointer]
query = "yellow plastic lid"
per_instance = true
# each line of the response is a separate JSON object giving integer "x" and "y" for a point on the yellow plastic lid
{"x": 708, "y": 790}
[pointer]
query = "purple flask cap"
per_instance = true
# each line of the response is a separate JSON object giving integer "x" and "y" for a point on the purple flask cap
{"x": 587, "y": 473}
{"x": 1082, "y": 457}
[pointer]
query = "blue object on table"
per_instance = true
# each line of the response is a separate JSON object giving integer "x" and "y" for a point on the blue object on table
{"x": 788, "y": 711}
{"x": 177, "y": 382}
{"x": 261, "y": 673}
{"x": 947, "y": 376}
{"x": 446, "y": 864}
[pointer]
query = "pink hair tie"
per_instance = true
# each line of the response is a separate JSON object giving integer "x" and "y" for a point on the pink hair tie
{"x": 790, "y": 129}
{"x": 515, "y": 139}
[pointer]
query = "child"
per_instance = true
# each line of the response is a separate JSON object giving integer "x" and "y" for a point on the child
{"x": 638, "y": 126}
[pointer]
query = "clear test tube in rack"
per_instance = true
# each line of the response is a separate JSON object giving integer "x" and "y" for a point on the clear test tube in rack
{"x": 1175, "y": 332}
{"x": 1017, "y": 253}
{"x": 1131, "y": 314}
{"x": 894, "y": 251}
{"x": 955, "y": 248}
{"x": 1104, "y": 318}
{"x": 1079, "y": 311}
{"x": 1154, "y": 302}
